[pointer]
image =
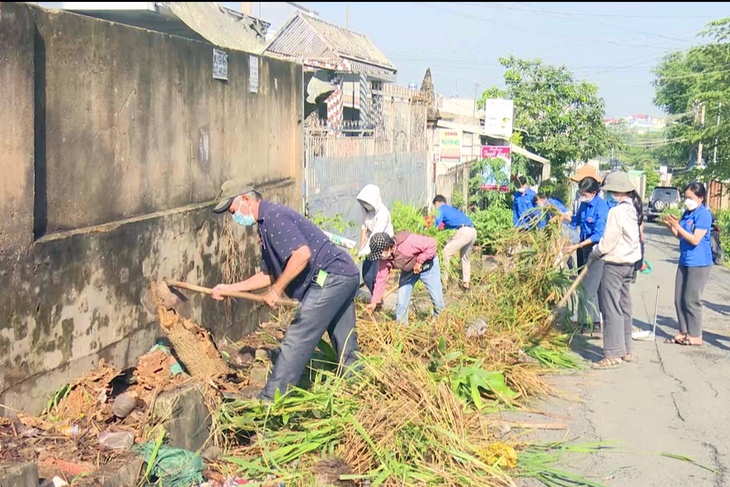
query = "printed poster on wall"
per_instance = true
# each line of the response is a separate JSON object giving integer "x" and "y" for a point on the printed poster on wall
{"x": 496, "y": 152}
{"x": 450, "y": 145}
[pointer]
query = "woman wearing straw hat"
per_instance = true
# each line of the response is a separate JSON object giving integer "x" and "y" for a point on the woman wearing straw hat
{"x": 620, "y": 250}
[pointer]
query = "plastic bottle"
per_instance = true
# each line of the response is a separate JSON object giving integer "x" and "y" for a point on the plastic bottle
{"x": 116, "y": 440}
{"x": 123, "y": 405}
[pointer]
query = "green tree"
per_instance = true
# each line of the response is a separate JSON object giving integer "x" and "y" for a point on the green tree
{"x": 685, "y": 81}
{"x": 559, "y": 117}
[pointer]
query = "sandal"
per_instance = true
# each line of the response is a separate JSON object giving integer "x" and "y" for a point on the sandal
{"x": 678, "y": 339}
{"x": 629, "y": 357}
{"x": 687, "y": 341}
{"x": 607, "y": 363}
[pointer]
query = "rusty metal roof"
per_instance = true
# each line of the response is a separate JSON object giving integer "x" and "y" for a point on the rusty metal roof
{"x": 314, "y": 41}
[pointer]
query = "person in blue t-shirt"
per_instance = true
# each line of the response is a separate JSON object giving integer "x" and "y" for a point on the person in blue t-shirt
{"x": 449, "y": 218}
{"x": 521, "y": 214}
{"x": 541, "y": 200}
{"x": 695, "y": 262}
{"x": 591, "y": 220}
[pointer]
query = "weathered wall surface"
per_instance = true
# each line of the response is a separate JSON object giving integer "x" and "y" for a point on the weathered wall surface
{"x": 114, "y": 141}
{"x": 16, "y": 130}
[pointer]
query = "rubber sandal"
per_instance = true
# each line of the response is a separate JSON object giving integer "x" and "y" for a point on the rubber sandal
{"x": 607, "y": 363}
{"x": 629, "y": 357}
{"x": 687, "y": 342}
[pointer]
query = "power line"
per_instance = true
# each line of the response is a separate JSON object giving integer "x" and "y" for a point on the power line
{"x": 652, "y": 34}
{"x": 549, "y": 34}
{"x": 597, "y": 14}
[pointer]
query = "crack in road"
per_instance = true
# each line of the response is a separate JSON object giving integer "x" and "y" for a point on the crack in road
{"x": 678, "y": 381}
{"x": 717, "y": 463}
{"x": 712, "y": 388}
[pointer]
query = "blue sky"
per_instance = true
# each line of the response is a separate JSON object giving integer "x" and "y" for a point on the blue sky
{"x": 614, "y": 45}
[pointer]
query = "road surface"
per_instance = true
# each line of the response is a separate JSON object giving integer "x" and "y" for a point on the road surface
{"x": 675, "y": 399}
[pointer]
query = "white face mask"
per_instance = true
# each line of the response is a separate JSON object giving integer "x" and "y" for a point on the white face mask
{"x": 586, "y": 199}
{"x": 691, "y": 204}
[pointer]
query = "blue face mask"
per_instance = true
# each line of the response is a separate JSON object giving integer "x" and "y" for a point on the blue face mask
{"x": 610, "y": 198}
{"x": 243, "y": 220}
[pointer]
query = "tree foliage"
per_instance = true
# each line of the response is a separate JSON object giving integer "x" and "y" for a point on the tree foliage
{"x": 687, "y": 80}
{"x": 559, "y": 117}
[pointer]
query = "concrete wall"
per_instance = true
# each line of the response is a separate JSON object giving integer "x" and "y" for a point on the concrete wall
{"x": 113, "y": 142}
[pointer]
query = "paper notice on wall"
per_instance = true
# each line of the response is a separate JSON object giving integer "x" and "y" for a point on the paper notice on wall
{"x": 253, "y": 79}
{"x": 220, "y": 64}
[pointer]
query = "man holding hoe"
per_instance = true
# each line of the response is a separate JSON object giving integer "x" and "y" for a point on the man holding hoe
{"x": 297, "y": 259}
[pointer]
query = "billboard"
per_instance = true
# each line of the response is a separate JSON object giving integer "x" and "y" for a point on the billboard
{"x": 498, "y": 117}
{"x": 450, "y": 145}
{"x": 490, "y": 181}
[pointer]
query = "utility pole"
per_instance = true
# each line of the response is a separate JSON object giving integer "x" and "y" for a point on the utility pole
{"x": 702, "y": 126}
{"x": 347, "y": 15}
{"x": 714, "y": 152}
{"x": 476, "y": 84}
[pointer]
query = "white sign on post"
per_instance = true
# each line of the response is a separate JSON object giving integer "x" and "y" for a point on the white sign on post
{"x": 498, "y": 117}
{"x": 253, "y": 80}
{"x": 220, "y": 64}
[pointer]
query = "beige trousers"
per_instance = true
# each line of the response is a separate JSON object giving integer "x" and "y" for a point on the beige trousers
{"x": 463, "y": 242}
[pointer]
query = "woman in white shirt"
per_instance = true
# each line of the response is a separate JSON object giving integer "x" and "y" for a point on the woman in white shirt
{"x": 375, "y": 219}
{"x": 620, "y": 249}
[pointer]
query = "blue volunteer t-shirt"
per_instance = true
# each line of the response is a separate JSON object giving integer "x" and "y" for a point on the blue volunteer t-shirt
{"x": 699, "y": 255}
{"x": 282, "y": 231}
{"x": 591, "y": 219}
{"x": 451, "y": 218}
{"x": 551, "y": 203}
{"x": 520, "y": 208}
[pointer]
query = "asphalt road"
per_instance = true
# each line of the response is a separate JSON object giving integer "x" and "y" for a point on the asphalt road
{"x": 675, "y": 399}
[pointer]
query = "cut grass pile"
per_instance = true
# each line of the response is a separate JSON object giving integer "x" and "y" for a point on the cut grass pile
{"x": 416, "y": 409}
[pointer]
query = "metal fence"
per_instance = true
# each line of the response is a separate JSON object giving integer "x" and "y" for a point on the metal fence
{"x": 392, "y": 154}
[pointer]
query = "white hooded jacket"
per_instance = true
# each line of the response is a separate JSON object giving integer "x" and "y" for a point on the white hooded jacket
{"x": 375, "y": 221}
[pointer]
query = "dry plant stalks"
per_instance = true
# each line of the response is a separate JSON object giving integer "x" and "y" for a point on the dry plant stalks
{"x": 193, "y": 345}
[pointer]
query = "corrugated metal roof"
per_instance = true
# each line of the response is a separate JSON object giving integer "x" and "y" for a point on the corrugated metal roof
{"x": 304, "y": 37}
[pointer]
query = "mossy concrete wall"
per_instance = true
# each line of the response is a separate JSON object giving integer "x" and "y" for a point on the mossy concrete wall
{"x": 113, "y": 143}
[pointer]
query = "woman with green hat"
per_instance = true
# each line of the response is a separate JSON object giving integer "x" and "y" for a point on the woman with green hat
{"x": 620, "y": 250}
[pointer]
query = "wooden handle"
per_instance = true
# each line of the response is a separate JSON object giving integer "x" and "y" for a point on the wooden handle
{"x": 573, "y": 287}
{"x": 231, "y": 294}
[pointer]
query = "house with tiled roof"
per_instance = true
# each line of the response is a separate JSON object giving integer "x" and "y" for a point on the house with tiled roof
{"x": 335, "y": 59}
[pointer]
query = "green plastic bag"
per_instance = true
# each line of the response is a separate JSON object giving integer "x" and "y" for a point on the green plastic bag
{"x": 174, "y": 467}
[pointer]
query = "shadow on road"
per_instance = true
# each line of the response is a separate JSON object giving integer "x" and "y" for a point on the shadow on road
{"x": 656, "y": 229}
{"x": 722, "y": 309}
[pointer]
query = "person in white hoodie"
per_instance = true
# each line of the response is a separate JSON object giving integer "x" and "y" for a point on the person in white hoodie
{"x": 375, "y": 219}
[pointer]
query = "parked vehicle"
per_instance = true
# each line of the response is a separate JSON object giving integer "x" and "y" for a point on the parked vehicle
{"x": 661, "y": 198}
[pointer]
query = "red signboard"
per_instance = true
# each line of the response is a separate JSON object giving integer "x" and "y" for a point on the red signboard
{"x": 494, "y": 151}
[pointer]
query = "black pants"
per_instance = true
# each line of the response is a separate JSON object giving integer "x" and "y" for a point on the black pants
{"x": 369, "y": 272}
{"x": 588, "y": 296}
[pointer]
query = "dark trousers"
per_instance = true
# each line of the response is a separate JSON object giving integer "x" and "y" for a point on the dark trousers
{"x": 369, "y": 272}
{"x": 688, "y": 287}
{"x": 616, "y": 308}
{"x": 330, "y": 308}
{"x": 588, "y": 296}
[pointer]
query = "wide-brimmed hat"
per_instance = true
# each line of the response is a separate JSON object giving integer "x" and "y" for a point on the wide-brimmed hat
{"x": 585, "y": 171}
{"x": 618, "y": 182}
{"x": 378, "y": 243}
{"x": 229, "y": 190}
